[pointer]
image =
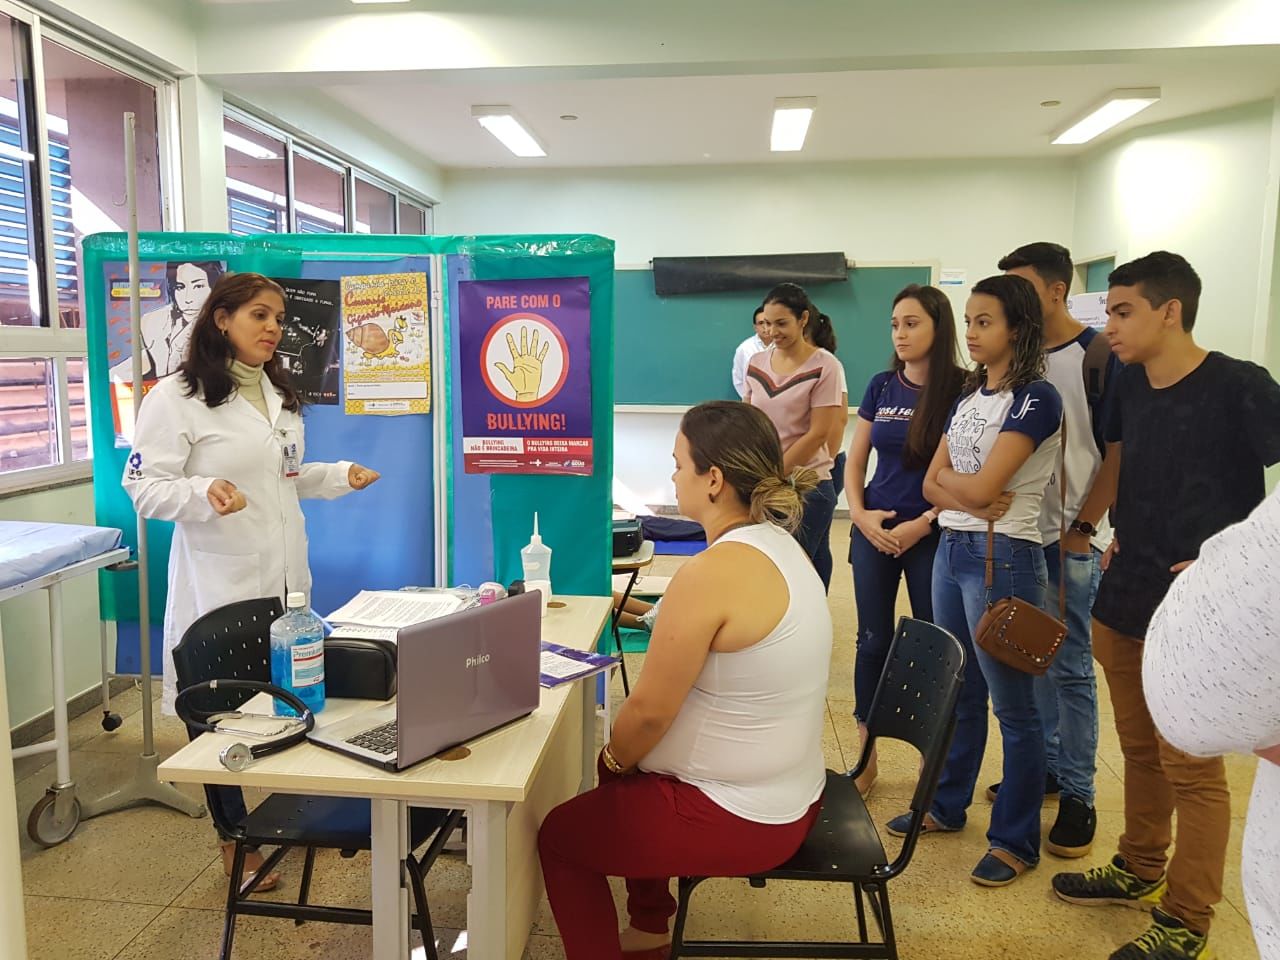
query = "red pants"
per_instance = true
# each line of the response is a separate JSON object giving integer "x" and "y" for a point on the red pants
{"x": 648, "y": 829}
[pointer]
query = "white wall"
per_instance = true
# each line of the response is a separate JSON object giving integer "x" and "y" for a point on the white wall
{"x": 1200, "y": 187}
{"x": 959, "y": 215}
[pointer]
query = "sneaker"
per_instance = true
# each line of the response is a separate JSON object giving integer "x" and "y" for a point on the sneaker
{"x": 1109, "y": 885}
{"x": 1167, "y": 939}
{"x": 1072, "y": 833}
{"x": 1051, "y": 788}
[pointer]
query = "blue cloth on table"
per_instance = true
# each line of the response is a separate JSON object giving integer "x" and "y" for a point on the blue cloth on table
{"x": 678, "y": 548}
{"x": 29, "y": 550}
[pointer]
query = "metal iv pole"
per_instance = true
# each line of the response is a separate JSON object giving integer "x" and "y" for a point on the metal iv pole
{"x": 145, "y": 787}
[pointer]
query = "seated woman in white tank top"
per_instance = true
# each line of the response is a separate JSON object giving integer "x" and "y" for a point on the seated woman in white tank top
{"x": 714, "y": 765}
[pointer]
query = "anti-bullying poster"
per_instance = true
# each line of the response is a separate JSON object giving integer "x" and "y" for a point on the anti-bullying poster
{"x": 172, "y": 294}
{"x": 526, "y": 376}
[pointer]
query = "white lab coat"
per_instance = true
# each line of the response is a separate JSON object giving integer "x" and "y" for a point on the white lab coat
{"x": 180, "y": 447}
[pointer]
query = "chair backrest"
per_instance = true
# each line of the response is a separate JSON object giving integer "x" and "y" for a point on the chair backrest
{"x": 230, "y": 643}
{"x": 916, "y": 699}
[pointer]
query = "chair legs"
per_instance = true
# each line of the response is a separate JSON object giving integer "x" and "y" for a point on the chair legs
{"x": 233, "y": 895}
{"x": 304, "y": 890}
{"x": 418, "y": 882}
{"x": 876, "y": 893}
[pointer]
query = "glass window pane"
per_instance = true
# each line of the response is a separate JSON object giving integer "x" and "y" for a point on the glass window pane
{"x": 255, "y": 181}
{"x": 375, "y": 209}
{"x": 78, "y": 402}
{"x": 413, "y": 219}
{"x": 320, "y": 196}
{"x": 28, "y": 414}
{"x": 21, "y": 266}
{"x": 86, "y": 101}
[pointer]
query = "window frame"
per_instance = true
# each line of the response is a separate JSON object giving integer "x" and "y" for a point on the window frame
{"x": 320, "y": 153}
{"x": 52, "y": 340}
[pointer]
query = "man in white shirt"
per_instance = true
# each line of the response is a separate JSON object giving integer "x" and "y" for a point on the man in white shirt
{"x": 1209, "y": 671}
{"x": 758, "y": 342}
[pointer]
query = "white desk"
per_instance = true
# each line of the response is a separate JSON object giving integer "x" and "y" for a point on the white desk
{"x": 511, "y": 779}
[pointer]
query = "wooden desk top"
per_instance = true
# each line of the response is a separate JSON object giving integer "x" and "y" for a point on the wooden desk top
{"x": 501, "y": 764}
{"x": 636, "y": 561}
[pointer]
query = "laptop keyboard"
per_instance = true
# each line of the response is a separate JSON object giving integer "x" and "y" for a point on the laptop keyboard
{"x": 377, "y": 740}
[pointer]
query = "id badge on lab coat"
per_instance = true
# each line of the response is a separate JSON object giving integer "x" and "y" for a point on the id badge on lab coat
{"x": 290, "y": 462}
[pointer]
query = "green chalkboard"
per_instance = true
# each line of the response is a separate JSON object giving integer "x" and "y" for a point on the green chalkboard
{"x": 679, "y": 350}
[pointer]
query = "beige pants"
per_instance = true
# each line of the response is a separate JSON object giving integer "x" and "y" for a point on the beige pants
{"x": 1159, "y": 779}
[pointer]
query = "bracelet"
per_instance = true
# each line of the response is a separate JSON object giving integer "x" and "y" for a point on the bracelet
{"x": 610, "y": 761}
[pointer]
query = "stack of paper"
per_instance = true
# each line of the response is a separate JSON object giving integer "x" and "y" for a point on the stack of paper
{"x": 379, "y": 614}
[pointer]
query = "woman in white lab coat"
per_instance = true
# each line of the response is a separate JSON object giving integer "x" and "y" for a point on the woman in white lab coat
{"x": 218, "y": 449}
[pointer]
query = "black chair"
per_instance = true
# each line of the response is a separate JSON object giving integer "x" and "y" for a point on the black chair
{"x": 914, "y": 702}
{"x": 234, "y": 642}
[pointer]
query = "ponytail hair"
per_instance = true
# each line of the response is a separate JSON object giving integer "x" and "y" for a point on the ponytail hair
{"x": 780, "y": 500}
{"x": 821, "y": 334}
{"x": 743, "y": 443}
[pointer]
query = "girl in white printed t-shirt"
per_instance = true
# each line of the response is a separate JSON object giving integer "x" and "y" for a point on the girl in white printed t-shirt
{"x": 999, "y": 448}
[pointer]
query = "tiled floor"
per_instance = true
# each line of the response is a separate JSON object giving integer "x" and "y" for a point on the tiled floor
{"x": 147, "y": 884}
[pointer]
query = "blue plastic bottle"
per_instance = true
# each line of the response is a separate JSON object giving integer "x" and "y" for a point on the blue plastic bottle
{"x": 297, "y": 656}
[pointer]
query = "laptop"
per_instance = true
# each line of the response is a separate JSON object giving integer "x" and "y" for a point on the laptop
{"x": 457, "y": 677}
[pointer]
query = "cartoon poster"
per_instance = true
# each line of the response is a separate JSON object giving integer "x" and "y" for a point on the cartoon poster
{"x": 309, "y": 341}
{"x": 386, "y": 344}
{"x": 172, "y": 294}
{"x": 526, "y": 375}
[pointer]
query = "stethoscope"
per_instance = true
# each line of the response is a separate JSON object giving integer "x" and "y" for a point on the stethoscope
{"x": 239, "y": 755}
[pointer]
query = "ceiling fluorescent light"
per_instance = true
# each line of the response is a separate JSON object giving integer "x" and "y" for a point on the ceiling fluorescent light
{"x": 250, "y": 149}
{"x": 503, "y": 124}
{"x": 791, "y": 116}
{"x": 1120, "y": 105}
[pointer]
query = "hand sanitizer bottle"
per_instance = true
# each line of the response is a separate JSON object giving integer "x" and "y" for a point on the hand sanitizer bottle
{"x": 297, "y": 655}
{"x": 536, "y": 560}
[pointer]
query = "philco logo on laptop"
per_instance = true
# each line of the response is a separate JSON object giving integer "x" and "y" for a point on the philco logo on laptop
{"x": 477, "y": 661}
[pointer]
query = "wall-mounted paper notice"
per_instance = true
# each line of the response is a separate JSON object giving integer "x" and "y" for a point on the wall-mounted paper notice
{"x": 953, "y": 278}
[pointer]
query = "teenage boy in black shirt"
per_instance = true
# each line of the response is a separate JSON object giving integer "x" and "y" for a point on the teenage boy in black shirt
{"x": 1196, "y": 429}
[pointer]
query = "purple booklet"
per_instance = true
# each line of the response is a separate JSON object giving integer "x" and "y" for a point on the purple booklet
{"x": 564, "y": 664}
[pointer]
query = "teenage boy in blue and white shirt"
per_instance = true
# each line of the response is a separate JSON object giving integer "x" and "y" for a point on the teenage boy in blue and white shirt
{"x": 1067, "y": 696}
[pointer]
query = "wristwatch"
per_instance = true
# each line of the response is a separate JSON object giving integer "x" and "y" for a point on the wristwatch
{"x": 1084, "y": 527}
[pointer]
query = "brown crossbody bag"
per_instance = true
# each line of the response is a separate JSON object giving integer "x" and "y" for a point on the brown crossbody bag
{"x": 1017, "y": 632}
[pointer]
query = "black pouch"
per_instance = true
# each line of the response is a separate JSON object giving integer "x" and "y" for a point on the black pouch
{"x": 359, "y": 669}
{"x": 627, "y": 537}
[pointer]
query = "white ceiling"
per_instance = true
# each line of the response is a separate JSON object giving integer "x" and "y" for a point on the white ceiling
{"x": 900, "y": 114}
{"x": 651, "y": 86}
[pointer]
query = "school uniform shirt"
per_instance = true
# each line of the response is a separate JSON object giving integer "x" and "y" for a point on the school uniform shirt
{"x": 972, "y": 429}
{"x": 888, "y": 405}
{"x": 789, "y": 400}
{"x": 1209, "y": 672}
{"x": 1192, "y": 464}
{"x": 747, "y": 349}
{"x": 1065, "y": 370}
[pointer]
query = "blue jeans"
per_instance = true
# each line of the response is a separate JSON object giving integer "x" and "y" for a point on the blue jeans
{"x": 1067, "y": 696}
{"x": 959, "y": 601}
{"x": 814, "y": 532}
{"x": 875, "y": 591}
{"x": 232, "y": 802}
{"x": 822, "y": 561}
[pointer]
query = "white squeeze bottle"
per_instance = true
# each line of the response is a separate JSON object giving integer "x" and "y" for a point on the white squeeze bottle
{"x": 297, "y": 655}
{"x": 536, "y": 559}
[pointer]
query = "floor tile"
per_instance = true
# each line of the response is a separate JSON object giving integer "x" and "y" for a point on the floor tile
{"x": 59, "y": 928}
